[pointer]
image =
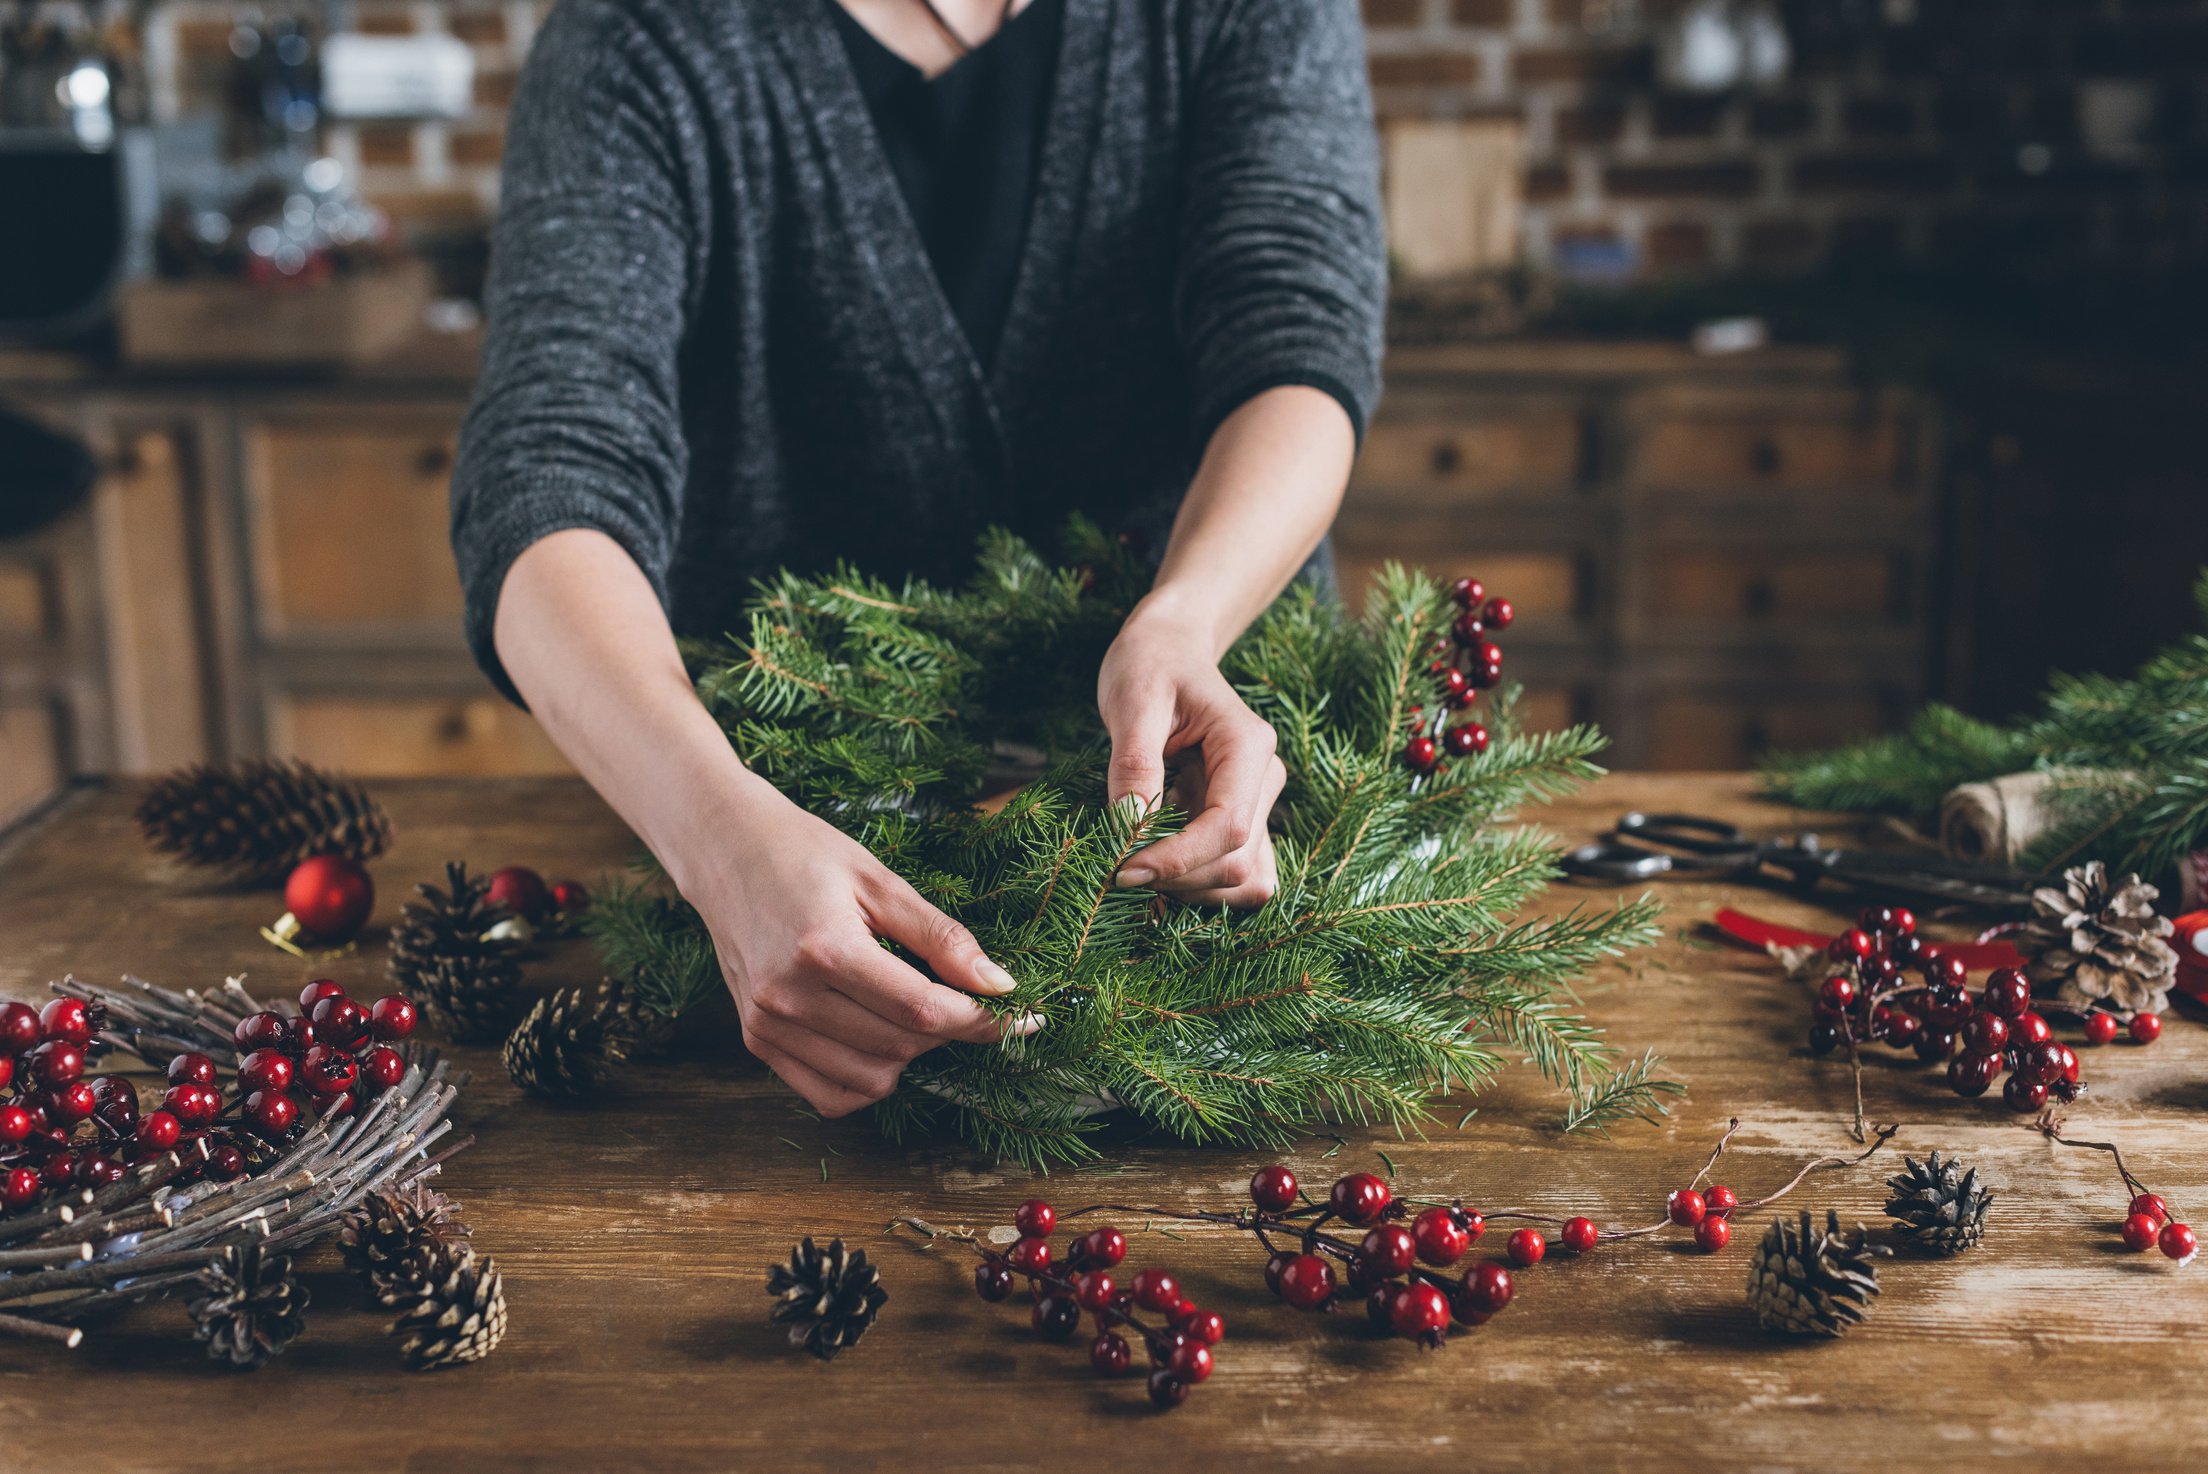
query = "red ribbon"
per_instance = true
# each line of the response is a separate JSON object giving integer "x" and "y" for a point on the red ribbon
{"x": 1755, "y": 932}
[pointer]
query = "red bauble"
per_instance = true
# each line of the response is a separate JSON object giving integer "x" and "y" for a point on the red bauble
{"x": 316, "y": 991}
{"x": 19, "y": 1027}
{"x": 1486, "y": 1289}
{"x": 1035, "y": 1219}
{"x": 392, "y": 1017}
{"x": 1388, "y": 1250}
{"x": 1498, "y": 612}
{"x": 1360, "y": 1198}
{"x": 2008, "y": 992}
{"x": 1686, "y": 1207}
{"x": 1273, "y": 1188}
{"x": 2146, "y": 1027}
{"x": 521, "y": 891}
{"x": 193, "y": 1067}
{"x": 1155, "y": 1289}
{"x": 1713, "y": 1234}
{"x": 1527, "y": 1248}
{"x": 1190, "y": 1361}
{"x": 1441, "y": 1240}
{"x": 265, "y": 1069}
{"x": 1109, "y": 1354}
{"x": 1468, "y": 592}
{"x": 570, "y": 898}
{"x": 270, "y": 1113}
{"x": 1466, "y": 739}
{"x": 1579, "y": 1235}
{"x": 1420, "y": 1310}
{"x": 2140, "y": 1231}
{"x": 1029, "y": 1256}
{"x": 66, "y": 1018}
{"x": 2100, "y": 1027}
{"x": 1719, "y": 1200}
{"x": 330, "y": 897}
{"x": 1419, "y": 755}
{"x": 2177, "y": 1241}
{"x": 1103, "y": 1247}
{"x": 1307, "y": 1282}
{"x": 160, "y": 1130}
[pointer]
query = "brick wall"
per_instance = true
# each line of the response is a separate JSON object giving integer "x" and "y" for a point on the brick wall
{"x": 1914, "y": 127}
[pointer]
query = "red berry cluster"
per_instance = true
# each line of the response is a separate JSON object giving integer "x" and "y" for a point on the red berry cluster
{"x": 1179, "y": 1349}
{"x": 1473, "y": 663}
{"x": 1870, "y": 999}
{"x": 58, "y": 1129}
{"x": 334, "y": 1052}
{"x": 2148, "y": 1222}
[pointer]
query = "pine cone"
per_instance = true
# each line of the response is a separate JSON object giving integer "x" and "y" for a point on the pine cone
{"x": 826, "y": 1299}
{"x": 258, "y": 819}
{"x": 563, "y": 1047}
{"x": 1813, "y": 1283}
{"x": 1939, "y": 1206}
{"x": 2103, "y": 942}
{"x": 253, "y": 1307}
{"x": 393, "y": 1240}
{"x": 450, "y": 951}
{"x": 456, "y": 1314}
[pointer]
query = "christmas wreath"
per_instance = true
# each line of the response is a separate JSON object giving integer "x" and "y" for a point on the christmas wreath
{"x": 1390, "y": 965}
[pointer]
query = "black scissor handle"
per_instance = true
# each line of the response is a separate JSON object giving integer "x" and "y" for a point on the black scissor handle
{"x": 1691, "y": 832}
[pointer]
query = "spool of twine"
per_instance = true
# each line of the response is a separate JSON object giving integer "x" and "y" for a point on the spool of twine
{"x": 1993, "y": 823}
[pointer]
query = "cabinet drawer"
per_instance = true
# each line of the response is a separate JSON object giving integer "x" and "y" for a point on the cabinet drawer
{"x": 1547, "y": 586}
{"x": 1734, "y": 730}
{"x": 1757, "y": 587}
{"x": 1467, "y": 456}
{"x": 1734, "y": 445}
{"x": 396, "y": 736}
{"x": 350, "y": 520}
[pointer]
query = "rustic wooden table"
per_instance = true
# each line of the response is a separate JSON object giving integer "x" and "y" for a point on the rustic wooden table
{"x": 634, "y": 1240}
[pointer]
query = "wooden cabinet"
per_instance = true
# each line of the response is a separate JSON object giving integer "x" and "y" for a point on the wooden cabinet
{"x": 1710, "y": 557}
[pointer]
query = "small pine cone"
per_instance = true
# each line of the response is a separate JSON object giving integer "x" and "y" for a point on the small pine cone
{"x": 451, "y": 951}
{"x": 1813, "y": 1283}
{"x": 565, "y": 1046}
{"x": 634, "y": 1029}
{"x": 258, "y": 819}
{"x": 2102, "y": 942}
{"x": 457, "y": 1313}
{"x": 1938, "y": 1205}
{"x": 393, "y": 1238}
{"x": 826, "y": 1299}
{"x": 253, "y": 1307}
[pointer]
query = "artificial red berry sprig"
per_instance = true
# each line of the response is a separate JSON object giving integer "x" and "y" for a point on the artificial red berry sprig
{"x": 2148, "y": 1221}
{"x": 1468, "y": 663}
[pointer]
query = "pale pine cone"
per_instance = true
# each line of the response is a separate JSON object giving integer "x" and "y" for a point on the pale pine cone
{"x": 2103, "y": 941}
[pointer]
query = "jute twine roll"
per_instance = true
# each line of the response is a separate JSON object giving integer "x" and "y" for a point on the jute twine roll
{"x": 1993, "y": 823}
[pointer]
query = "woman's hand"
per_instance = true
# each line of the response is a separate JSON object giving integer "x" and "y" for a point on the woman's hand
{"x": 1162, "y": 697}
{"x": 796, "y": 909}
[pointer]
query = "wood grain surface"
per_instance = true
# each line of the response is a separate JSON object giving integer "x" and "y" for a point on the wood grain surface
{"x": 635, "y": 1239}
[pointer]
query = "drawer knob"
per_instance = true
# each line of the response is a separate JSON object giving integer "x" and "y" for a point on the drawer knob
{"x": 1757, "y": 599}
{"x": 432, "y": 460}
{"x": 1448, "y": 460}
{"x": 1763, "y": 456}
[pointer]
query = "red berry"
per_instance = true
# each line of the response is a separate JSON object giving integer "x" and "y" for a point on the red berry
{"x": 1946, "y": 1005}
{"x": 1985, "y": 1033}
{"x": 265, "y": 1069}
{"x": 57, "y": 1062}
{"x": 16, "y": 1124}
{"x": 59, "y": 1170}
{"x": 160, "y": 1130}
{"x": 1453, "y": 683}
{"x": 1973, "y": 1074}
{"x": 1108, "y": 1353}
{"x": 382, "y": 1067}
{"x": 1877, "y": 920}
{"x": 1486, "y": 1290}
{"x": 1388, "y": 1249}
{"x": 992, "y": 1279}
{"x": 1273, "y": 1188}
{"x": 521, "y": 891}
{"x": 225, "y": 1162}
{"x": 1155, "y": 1289}
{"x": 73, "y": 1102}
{"x": 1094, "y": 1290}
{"x": 1274, "y": 1267}
{"x": 1474, "y": 1224}
{"x": 19, "y": 1027}
{"x": 1468, "y": 592}
{"x": 2140, "y": 1232}
{"x": 2146, "y": 1027}
{"x": 570, "y": 898}
{"x": 118, "y": 1102}
{"x": 20, "y": 1188}
{"x": 1905, "y": 921}
{"x": 1307, "y": 1282}
{"x": 1029, "y": 1256}
{"x": 328, "y": 1071}
{"x": 1836, "y": 994}
{"x": 99, "y": 1171}
{"x": 194, "y": 1067}
{"x": 1441, "y": 1240}
{"x": 2008, "y": 992}
{"x": 270, "y": 1113}
{"x": 1035, "y": 1219}
{"x": 1419, "y": 755}
{"x": 2177, "y": 1242}
{"x": 1487, "y": 673}
{"x": 1055, "y": 1317}
{"x": 340, "y": 1022}
{"x": 1167, "y": 1390}
{"x": 2151, "y": 1205}
{"x": 1206, "y": 1328}
{"x": 194, "y": 1105}
{"x": 1713, "y": 1234}
{"x": 1466, "y": 739}
{"x": 2069, "y": 1063}
{"x": 2041, "y": 1063}
{"x": 1526, "y": 1248}
{"x": 392, "y": 1017}
{"x": 2029, "y": 1028}
{"x": 1686, "y": 1207}
{"x": 1580, "y": 1235}
{"x": 316, "y": 991}
{"x": 66, "y": 1018}
{"x": 1903, "y": 1028}
{"x": 1418, "y": 1311}
{"x": 2023, "y": 1096}
{"x": 1498, "y": 612}
{"x": 1380, "y": 1303}
{"x": 260, "y": 1031}
{"x": 1853, "y": 943}
{"x": 1946, "y": 967}
{"x": 1104, "y": 1247}
{"x": 1719, "y": 1200}
{"x": 1190, "y": 1361}
{"x": 1359, "y": 1198}
{"x": 2100, "y": 1027}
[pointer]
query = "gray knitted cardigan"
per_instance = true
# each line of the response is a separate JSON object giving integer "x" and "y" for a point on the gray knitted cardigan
{"x": 716, "y": 337}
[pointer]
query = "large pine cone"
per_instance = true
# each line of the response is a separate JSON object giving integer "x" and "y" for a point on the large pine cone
{"x": 565, "y": 1046}
{"x": 827, "y": 1299}
{"x": 253, "y": 1307}
{"x": 452, "y": 950}
{"x": 2102, "y": 941}
{"x": 1813, "y": 1283}
{"x": 1938, "y": 1205}
{"x": 393, "y": 1240}
{"x": 258, "y": 819}
{"x": 457, "y": 1315}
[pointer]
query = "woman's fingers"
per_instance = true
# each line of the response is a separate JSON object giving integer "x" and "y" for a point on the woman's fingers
{"x": 1241, "y": 780}
{"x": 895, "y": 993}
{"x": 902, "y": 914}
{"x": 821, "y": 1093}
{"x": 1140, "y": 725}
{"x": 1246, "y": 877}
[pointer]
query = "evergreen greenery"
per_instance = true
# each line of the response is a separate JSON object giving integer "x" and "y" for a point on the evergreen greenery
{"x": 1389, "y": 966}
{"x": 2130, "y": 760}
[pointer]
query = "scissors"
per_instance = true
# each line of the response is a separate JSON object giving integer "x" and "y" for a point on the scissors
{"x": 1650, "y": 846}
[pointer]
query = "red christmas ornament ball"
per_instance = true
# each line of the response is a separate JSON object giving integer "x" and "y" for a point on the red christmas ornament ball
{"x": 521, "y": 891}
{"x": 1440, "y": 1239}
{"x": 1273, "y": 1188}
{"x": 1580, "y": 1235}
{"x": 330, "y": 897}
{"x": 1526, "y": 1248}
{"x": 1360, "y": 1198}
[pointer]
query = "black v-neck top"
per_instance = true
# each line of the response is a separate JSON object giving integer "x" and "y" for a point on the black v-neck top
{"x": 965, "y": 146}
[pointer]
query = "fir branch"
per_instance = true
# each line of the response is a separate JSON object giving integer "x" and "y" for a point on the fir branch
{"x": 1635, "y": 1092}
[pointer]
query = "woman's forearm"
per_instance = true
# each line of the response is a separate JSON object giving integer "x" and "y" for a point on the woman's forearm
{"x": 1271, "y": 480}
{"x": 586, "y": 643}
